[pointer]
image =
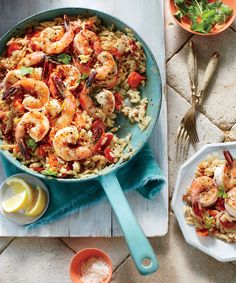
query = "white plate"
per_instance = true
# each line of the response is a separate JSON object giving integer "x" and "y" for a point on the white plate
{"x": 216, "y": 248}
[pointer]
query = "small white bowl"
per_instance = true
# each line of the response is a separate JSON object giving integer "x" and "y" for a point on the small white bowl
{"x": 18, "y": 217}
{"x": 214, "y": 247}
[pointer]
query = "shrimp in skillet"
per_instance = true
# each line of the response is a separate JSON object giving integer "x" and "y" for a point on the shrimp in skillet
{"x": 55, "y": 41}
{"x": 30, "y": 88}
{"x": 36, "y": 125}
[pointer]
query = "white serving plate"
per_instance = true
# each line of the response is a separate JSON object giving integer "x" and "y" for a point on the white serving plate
{"x": 216, "y": 248}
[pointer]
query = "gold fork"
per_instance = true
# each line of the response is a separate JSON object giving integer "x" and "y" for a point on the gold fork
{"x": 187, "y": 129}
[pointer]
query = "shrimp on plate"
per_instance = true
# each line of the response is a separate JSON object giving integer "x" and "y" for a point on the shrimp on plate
{"x": 204, "y": 193}
{"x": 36, "y": 125}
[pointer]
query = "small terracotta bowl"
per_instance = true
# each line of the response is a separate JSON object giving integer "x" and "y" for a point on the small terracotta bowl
{"x": 186, "y": 25}
{"x": 83, "y": 256}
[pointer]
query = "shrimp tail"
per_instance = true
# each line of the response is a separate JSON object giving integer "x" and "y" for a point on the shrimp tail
{"x": 23, "y": 149}
{"x": 228, "y": 157}
{"x": 60, "y": 86}
{"x": 10, "y": 92}
{"x": 91, "y": 79}
{"x": 66, "y": 23}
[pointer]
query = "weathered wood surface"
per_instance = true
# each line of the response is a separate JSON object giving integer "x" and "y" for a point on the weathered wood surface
{"x": 147, "y": 18}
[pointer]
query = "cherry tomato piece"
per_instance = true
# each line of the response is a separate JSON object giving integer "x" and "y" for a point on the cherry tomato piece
{"x": 202, "y": 232}
{"x": 119, "y": 98}
{"x": 135, "y": 79}
{"x": 12, "y": 47}
{"x": 98, "y": 128}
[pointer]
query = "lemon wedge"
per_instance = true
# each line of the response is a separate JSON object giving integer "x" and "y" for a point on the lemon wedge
{"x": 19, "y": 185}
{"x": 16, "y": 202}
{"x": 38, "y": 204}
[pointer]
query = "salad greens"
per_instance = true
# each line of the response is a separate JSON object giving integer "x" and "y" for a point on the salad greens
{"x": 202, "y": 14}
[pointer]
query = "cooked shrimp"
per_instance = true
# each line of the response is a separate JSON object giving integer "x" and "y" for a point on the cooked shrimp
{"x": 107, "y": 67}
{"x": 36, "y": 125}
{"x": 14, "y": 76}
{"x": 55, "y": 41}
{"x": 229, "y": 171}
{"x": 69, "y": 136}
{"x": 52, "y": 108}
{"x": 107, "y": 101}
{"x": 230, "y": 202}
{"x": 203, "y": 192}
{"x": 68, "y": 111}
{"x": 32, "y": 59}
{"x": 29, "y": 87}
{"x": 68, "y": 75}
{"x": 105, "y": 98}
{"x": 11, "y": 78}
{"x": 86, "y": 42}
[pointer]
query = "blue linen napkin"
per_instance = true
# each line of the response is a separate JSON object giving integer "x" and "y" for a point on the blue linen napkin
{"x": 141, "y": 173}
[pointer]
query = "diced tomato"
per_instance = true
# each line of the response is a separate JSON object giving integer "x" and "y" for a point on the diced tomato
{"x": 135, "y": 79}
{"x": 38, "y": 169}
{"x": 104, "y": 141}
{"x": 52, "y": 160}
{"x": 115, "y": 52}
{"x": 108, "y": 154}
{"x": 228, "y": 225}
{"x": 213, "y": 212}
{"x": 197, "y": 210}
{"x": 98, "y": 129}
{"x": 202, "y": 232}
{"x": 119, "y": 98}
{"x": 17, "y": 104}
{"x": 43, "y": 150}
{"x": 12, "y": 47}
{"x": 220, "y": 204}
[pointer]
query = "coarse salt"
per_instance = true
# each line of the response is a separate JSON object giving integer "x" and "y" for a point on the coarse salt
{"x": 94, "y": 270}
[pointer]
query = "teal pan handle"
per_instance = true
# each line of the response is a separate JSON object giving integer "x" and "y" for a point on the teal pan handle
{"x": 140, "y": 248}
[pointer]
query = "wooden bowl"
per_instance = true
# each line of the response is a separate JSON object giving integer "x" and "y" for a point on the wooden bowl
{"x": 83, "y": 256}
{"x": 186, "y": 24}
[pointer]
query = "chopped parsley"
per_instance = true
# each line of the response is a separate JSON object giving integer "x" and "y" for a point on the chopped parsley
{"x": 82, "y": 78}
{"x": 31, "y": 143}
{"x": 221, "y": 192}
{"x": 64, "y": 58}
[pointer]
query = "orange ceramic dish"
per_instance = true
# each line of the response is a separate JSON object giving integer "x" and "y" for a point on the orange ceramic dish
{"x": 186, "y": 24}
{"x": 82, "y": 257}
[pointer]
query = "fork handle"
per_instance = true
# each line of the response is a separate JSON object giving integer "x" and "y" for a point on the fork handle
{"x": 192, "y": 67}
{"x": 210, "y": 70}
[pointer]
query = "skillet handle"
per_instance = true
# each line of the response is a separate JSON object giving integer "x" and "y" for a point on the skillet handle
{"x": 140, "y": 248}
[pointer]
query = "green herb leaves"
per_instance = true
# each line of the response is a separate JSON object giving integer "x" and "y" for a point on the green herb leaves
{"x": 82, "y": 78}
{"x": 203, "y": 15}
{"x": 63, "y": 58}
{"x": 222, "y": 193}
{"x": 31, "y": 143}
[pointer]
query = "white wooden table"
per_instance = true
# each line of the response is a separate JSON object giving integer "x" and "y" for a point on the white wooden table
{"x": 99, "y": 220}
